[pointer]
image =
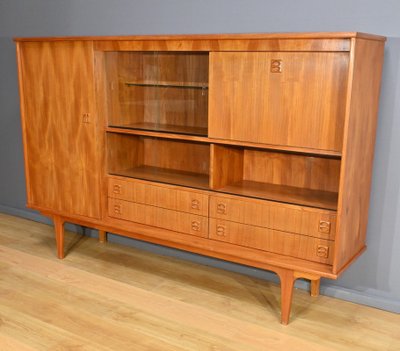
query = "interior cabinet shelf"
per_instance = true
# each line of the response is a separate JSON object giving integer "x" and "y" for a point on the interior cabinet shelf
{"x": 165, "y": 128}
{"x": 164, "y": 175}
{"x": 283, "y": 193}
{"x": 169, "y": 84}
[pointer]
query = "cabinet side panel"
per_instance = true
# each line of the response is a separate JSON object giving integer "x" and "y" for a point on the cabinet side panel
{"x": 358, "y": 149}
{"x": 23, "y": 124}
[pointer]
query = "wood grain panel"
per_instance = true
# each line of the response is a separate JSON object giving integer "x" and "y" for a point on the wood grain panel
{"x": 177, "y": 155}
{"x": 227, "y": 44}
{"x": 299, "y": 246}
{"x": 275, "y": 215}
{"x": 301, "y": 103}
{"x": 59, "y": 123}
{"x": 226, "y": 166}
{"x": 300, "y": 171}
{"x": 358, "y": 149}
{"x": 158, "y": 217}
{"x": 160, "y": 196}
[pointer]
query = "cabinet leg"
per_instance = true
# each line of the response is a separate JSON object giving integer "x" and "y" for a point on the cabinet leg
{"x": 314, "y": 291}
{"x": 102, "y": 236}
{"x": 287, "y": 278}
{"x": 59, "y": 229}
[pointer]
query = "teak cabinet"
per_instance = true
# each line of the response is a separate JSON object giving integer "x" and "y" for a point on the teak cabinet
{"x": 252, "y": 148}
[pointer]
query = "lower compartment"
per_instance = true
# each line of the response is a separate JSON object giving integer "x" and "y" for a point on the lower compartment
{"x": 284, "y": 243}
{"x": 158, "y": 217}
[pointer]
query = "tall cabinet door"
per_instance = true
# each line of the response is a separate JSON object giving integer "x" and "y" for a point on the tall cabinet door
{"x": 284, "y": 98}
{"x": 58, "y": 109}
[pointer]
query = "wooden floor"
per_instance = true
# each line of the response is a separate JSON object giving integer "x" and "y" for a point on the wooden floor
{"x": 110, "y": 297}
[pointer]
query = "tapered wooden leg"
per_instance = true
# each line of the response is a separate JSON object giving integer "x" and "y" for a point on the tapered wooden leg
{"x": 287, "y": 278}
{"x": 59, "y": 229}
{"x": 314, "y": 291}
{"x": 102, "y": 236}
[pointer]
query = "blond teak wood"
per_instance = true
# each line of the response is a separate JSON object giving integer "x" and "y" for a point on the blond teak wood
{"x": 59, "y": 126}
{"x": 255, "y": 148}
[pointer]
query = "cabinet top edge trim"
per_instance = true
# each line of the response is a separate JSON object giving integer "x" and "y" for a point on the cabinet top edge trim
{"x": 249, "y": 36}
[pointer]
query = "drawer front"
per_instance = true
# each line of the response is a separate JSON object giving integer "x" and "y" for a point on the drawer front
{"x": 288, "y": 218}
{"x": 158, "y": 217}
{"x": 289, "y": 244}
{"x": 148, "y": 194}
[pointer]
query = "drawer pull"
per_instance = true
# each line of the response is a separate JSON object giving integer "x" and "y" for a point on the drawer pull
{"x": 276, "y": 66}
{"x": 324, "y": 227}
{"x": 221, "y": 208}
{"x": 195, "y": 204}
{"x": 117, "y": 209}
{"x": 322, "y": 251}
{"x": 117, "y": 189}
{"x": 196, "y": 226}
{"x": 221, "y": 230}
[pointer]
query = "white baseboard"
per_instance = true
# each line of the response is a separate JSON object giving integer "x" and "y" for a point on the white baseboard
{"x": 370, "y": 297}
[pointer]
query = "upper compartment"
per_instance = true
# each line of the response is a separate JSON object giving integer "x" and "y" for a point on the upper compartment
{"x": 295, "y": 99}
{"x": 158, "y": 91}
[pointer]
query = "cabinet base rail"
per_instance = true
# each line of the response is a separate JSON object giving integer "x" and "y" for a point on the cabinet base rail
{"x": 287, "y": 276}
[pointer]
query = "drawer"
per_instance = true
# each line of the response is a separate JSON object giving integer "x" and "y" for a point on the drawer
{"x": 289, "y": 244}
{"x": 158, "y": 217}
{"x": 149, "y": 194}
{"x": 279, "y": 216}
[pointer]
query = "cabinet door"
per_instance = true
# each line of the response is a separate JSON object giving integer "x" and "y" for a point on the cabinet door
{"x": 61, "y": 156}
{"x": 282, "y": 98}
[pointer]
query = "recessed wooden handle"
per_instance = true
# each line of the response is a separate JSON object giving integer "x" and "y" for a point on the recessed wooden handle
{"x": 117, "y": 189}
{"x": 221, "y": 230}
{"x": 195, "y": 204}
{"x": 86, "y": 118}
{"x": 118, "y": 209}
{"x": 324, "y": 227}
{"x": 322, "y": 251}
{"x": 196, "y": 226}
{"x": 221, "y": 208}
{"x": 276, "y": 66}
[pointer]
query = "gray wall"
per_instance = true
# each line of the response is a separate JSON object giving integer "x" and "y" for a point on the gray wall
{"x": 374, "y": 279}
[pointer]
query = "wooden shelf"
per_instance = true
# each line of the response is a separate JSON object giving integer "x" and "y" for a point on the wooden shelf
{"x": 169, "y": 84}
{"x": 205, "y": 139}
{"x": 169, "y": 176}
{"x": 165, "y": 128}
{"x": 282, "y": 193}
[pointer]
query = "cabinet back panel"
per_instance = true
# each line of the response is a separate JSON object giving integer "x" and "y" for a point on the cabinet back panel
{"x": 183, "y": 156}
{"x": 293, "y": 170}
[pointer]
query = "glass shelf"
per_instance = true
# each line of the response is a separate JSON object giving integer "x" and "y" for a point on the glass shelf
{"x": 169, "y": 84}
{"x": 164, "y": 128}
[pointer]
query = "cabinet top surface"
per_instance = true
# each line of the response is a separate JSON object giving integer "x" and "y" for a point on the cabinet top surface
{"x": 242, "y": 36}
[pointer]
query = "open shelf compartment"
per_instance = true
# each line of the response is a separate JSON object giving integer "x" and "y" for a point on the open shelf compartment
{"x": 158, "y": 91}
{"x": 167, "y": 161}
{"x": 285, "y": 177}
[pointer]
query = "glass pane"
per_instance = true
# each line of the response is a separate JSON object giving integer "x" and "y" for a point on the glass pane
{"x": 158, "y": 91}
